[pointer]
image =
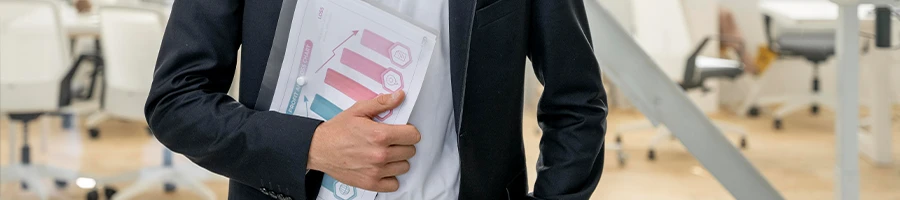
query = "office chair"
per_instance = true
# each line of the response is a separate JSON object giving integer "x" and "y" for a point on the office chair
{"x": 131, "y": 38}
{"x": 33, "y": 62}
{"x": 697, "y": 70}
{"x": 816, "y": 46}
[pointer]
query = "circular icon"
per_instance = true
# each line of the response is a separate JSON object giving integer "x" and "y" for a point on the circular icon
{"x": 344, "y": 191}
{"x": 392, "y": 80}
{"x": 400, "y": 55}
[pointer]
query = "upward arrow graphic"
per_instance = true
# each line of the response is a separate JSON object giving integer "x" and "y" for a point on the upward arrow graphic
{"x": 333, "y": 53}
{"x": 306, "y": 101}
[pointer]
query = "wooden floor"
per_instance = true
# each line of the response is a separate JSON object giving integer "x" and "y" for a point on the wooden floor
{"x": 798, "y": 160}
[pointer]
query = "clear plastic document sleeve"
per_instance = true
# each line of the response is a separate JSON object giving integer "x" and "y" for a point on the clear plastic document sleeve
{"x": 329, "y": 54}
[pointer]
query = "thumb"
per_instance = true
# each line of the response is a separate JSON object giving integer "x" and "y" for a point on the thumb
{"x": 372, "y": 107}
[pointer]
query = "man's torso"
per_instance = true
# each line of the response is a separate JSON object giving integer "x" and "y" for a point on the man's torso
{"x": 492, "y": 161}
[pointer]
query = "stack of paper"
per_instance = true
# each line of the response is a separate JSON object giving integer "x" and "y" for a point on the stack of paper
{"x": 340, "y": 52}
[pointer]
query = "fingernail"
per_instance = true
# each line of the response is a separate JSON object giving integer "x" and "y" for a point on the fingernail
{"x": 395, "y": 95}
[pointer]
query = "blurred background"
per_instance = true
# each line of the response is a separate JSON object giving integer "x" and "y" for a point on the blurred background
{"x": 74, "y": 75}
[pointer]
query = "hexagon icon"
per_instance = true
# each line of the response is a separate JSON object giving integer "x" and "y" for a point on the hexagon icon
{"x": 400, "y": 55}
{"x": 344, "y": 191}
{"x": 383, "y": 116}
{"x": 391, "y": 80}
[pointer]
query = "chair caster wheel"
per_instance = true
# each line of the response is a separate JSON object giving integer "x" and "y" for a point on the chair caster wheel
{"x": 651, "y": 155}
{"x": 777, "y": 124}
{"x": 68, "y": 121}
{"x": 60, "y": 184}
{"x": 621, "y": 156}
{"x": 754, "y": 111}
{"x": 618, "y": 139}
{"x": 95, "y": 193}
{"x": 169, "y": 187}
{"x": 743, "y": 143}
{"x": 814, "y": 109}
{"x": 92, "y": 195}
{"x": 109, "y": 192}
{"x": 24, "y": 185}
{"x": 94, "y": 133}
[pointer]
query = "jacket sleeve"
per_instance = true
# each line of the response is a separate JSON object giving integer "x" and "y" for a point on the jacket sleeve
{"x": 189, "y": 112}
{"x": 572, "y": 110}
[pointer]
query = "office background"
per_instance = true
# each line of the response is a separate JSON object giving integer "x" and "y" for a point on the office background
{"x": 96, "y": 146}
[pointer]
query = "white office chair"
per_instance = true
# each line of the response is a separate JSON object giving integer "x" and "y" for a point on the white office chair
{"x": 131, "y": 40}
{"x": 816, "y": 46}
{"x": 33, "y": 61}
{"x": 697, "y": 68}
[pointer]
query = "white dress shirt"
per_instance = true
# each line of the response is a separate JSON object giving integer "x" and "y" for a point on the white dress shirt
{"x": 434, "y": 170}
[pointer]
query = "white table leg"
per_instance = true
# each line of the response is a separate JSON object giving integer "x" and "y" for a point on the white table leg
{"x": 847, "y": 123}
{"x": 880, "y": 107}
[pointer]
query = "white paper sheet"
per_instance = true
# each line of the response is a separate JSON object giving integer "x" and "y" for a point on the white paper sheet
{"x": 340, "y": 52}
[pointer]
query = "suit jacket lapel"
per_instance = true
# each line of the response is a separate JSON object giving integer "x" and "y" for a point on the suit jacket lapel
{"x": 462, "y": 14}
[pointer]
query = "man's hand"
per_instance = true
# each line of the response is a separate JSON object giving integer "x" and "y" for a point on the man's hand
{"x": 363, "y": 153}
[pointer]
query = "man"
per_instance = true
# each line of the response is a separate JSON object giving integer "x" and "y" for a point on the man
{"x": 471, "y": 148}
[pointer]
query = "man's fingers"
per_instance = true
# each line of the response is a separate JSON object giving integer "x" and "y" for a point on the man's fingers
{"x": 387, "y": 135}
{"x": 403, "y": 135}
{"x": 381, "y": 103}
{"x": 387, "y": 184}
{"x": 396, "y": 168}
{"x": 400, "y": 153}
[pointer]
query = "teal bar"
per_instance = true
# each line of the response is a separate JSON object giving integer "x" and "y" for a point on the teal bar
{"x": 345, "y": 192}
{"x": 328, "y": 110}
{"x": 295, "y": 95}
{"x": 328, "y": 182}
{"x": 324, "y": 108}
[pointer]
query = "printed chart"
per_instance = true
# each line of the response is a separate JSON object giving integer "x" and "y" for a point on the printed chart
{"x": 340, "y": 52}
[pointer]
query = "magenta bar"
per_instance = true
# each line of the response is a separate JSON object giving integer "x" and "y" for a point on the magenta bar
{"x": 348, "y": 86}
{"x": 363, "y": 65}
{"x": 377, "y": 42}
{"x": 399, "y": 53}
{"x": 304, "y": 59}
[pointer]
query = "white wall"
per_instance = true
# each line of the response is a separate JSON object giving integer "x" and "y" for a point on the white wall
{"x": 669, "y": 31}
{"x": 702, "y": 17}
{"x": 623, "y": 11}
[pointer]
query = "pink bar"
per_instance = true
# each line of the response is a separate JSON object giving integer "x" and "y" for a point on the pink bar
{"x": 348, "y": 86}
{"x": 304, "y": 59}
{"x": 363, "y": 65}
{"x": 377, "y": 42}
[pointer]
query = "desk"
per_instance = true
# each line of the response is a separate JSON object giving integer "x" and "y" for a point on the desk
{"x": 824, "y": 14}
{"x": 845, "y": 15}
{"x": 807, "y": 12}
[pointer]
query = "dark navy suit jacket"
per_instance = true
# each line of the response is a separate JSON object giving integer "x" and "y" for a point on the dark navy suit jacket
{"x": 264, "y": 153}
